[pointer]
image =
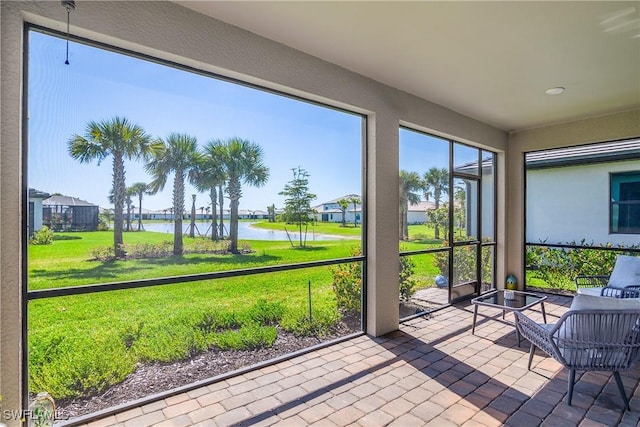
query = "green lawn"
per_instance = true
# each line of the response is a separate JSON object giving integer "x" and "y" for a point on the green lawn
{"x": 81, "y": 345}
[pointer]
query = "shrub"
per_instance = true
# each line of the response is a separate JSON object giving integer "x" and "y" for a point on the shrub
{"x": 43, "y": 236}
{"x": 59, "y": 363}
{"x": 149, "y": 250}
{"x": 248, "y": 337}
{"x": 407, "y": 281}
{"x": 321, "y": 323}
{"x": 347, "y": 285}
{"x": 103, "y": 253}
{"x": 558, "y": 267}
{"x": 464, "y": 263}
{"x": 216, "y": 322}
{"x": 265, "y": 313}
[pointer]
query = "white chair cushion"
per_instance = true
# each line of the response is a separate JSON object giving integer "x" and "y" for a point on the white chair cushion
{"x": 626, "y": 272}
{"x": 591, "y": 302}
{"x": 590, "y": 291}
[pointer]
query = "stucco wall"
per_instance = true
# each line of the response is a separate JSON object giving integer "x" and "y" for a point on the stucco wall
{"x": 623, "y": 125}
{"x": 569, "y": 204}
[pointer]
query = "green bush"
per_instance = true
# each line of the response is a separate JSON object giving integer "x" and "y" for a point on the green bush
{"x": 558, "y": 267}
{"x": 464, "y": 268}
{"x": 58, "y": 362}
{"x": 103, "y": 253}
{"x": 265, "y": 313}
{"x": 321, "y": 323}
{"x": 248, "y": 337}
{"x": 407, "y": 280}
{"x": 149, "y": 250}
{"x": 43, "y": 236}
{"x": 347, "y": 285}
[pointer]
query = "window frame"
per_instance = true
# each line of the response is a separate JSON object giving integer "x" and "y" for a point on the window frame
{"x": 615, "y": 181}
{"x": 30, "y": 295}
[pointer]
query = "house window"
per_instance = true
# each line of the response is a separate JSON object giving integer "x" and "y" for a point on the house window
{"x": 625, "y": 203}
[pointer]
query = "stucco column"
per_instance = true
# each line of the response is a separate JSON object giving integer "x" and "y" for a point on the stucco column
{"x": 382, "y": 224}
{"x": 513, "y": 218}
{"x": 10, "y": 201}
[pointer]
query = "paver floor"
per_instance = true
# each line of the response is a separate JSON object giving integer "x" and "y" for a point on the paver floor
{"x": 432, "y": 371}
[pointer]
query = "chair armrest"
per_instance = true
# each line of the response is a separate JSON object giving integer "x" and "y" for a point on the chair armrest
{"x": 538, "y": 334}
{"x": 595, "y": 281}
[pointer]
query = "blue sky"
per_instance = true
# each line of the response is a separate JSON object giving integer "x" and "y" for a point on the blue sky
{"x": 98, "y": 85}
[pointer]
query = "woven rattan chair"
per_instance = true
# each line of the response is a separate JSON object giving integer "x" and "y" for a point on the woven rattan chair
{"x": 587, "y": 340}
{"x": 631, "y": 292}
{"x": 584, "y": 281}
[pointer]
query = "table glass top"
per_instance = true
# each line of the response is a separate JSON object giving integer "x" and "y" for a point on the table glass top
{"x": 520, "y": 299}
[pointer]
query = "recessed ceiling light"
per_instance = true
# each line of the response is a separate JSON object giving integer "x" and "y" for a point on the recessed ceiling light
{"x": 554, "y": 90}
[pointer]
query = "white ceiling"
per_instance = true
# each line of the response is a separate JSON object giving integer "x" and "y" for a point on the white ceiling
{"x": 491, "y": 61}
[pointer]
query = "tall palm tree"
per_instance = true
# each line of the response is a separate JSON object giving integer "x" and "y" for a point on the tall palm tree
{"x": 344, "y": 204}
{"x": 122, "y": 140}
{"x": 355, "y": 200}
{"x": 209, "y": 175}
{"x": 436, "y": 185}
{"x": 410, "y": 183}
{"x": 179, "y": 156}
{"x": 139, "y": 189}
{"x": 242, "y": 164}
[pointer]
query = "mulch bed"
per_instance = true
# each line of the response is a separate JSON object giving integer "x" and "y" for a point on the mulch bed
{"x": 153, "y": 378}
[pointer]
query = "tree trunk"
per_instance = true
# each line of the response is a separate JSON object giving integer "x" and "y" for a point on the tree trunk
{"x": 221, "y": 203}
{"x": 118, "y": 196}
{"x": 234, "y": 191}
{"x": 214, "y": 214}
{"x": 178, "y": 209}
{"x": 140, "y": 212}
{"x": 192, "y": 226}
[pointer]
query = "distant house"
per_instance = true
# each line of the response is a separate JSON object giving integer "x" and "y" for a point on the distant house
{"x": 35, "y": 209}
{"x": 332, "y": 212}
{"x": 589, "y": 192}
{"x": 66, "y": 213}
{"x": 417, "y": 213}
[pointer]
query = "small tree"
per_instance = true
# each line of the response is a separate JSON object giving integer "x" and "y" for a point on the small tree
{"x": 297, "y": 205}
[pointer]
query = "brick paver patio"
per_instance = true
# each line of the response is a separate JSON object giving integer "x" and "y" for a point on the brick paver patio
{"x": 430, "y": 372}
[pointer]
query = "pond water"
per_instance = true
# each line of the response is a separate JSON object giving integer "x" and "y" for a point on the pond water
{"x": 245, "y": 231}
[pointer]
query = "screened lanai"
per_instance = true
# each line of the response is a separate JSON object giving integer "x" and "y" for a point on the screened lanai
{"x": 467, "y": 78}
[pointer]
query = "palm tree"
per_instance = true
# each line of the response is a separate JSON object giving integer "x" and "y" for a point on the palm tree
{"x": 242, "y": 163}
{"x": 179, "y": 156}
{"x": 209, "y": 176}
{"x": 139, "y": 189}
{"x": 410, "y": 182}
{"x": 355, "y": 200}
{"x": 192, "y": 225}
{"x": 122, "y": 140}
{"x": 344, "y": 204}
{"x": 436, "y": 184}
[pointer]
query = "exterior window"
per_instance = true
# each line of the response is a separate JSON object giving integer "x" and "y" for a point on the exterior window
{"x": 625, "y": 203}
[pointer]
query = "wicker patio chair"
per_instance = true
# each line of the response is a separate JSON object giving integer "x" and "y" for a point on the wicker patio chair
{"x": 631, "y": 292}
{"x": 588, "y": 340}
{"x": 584, "y": 281}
